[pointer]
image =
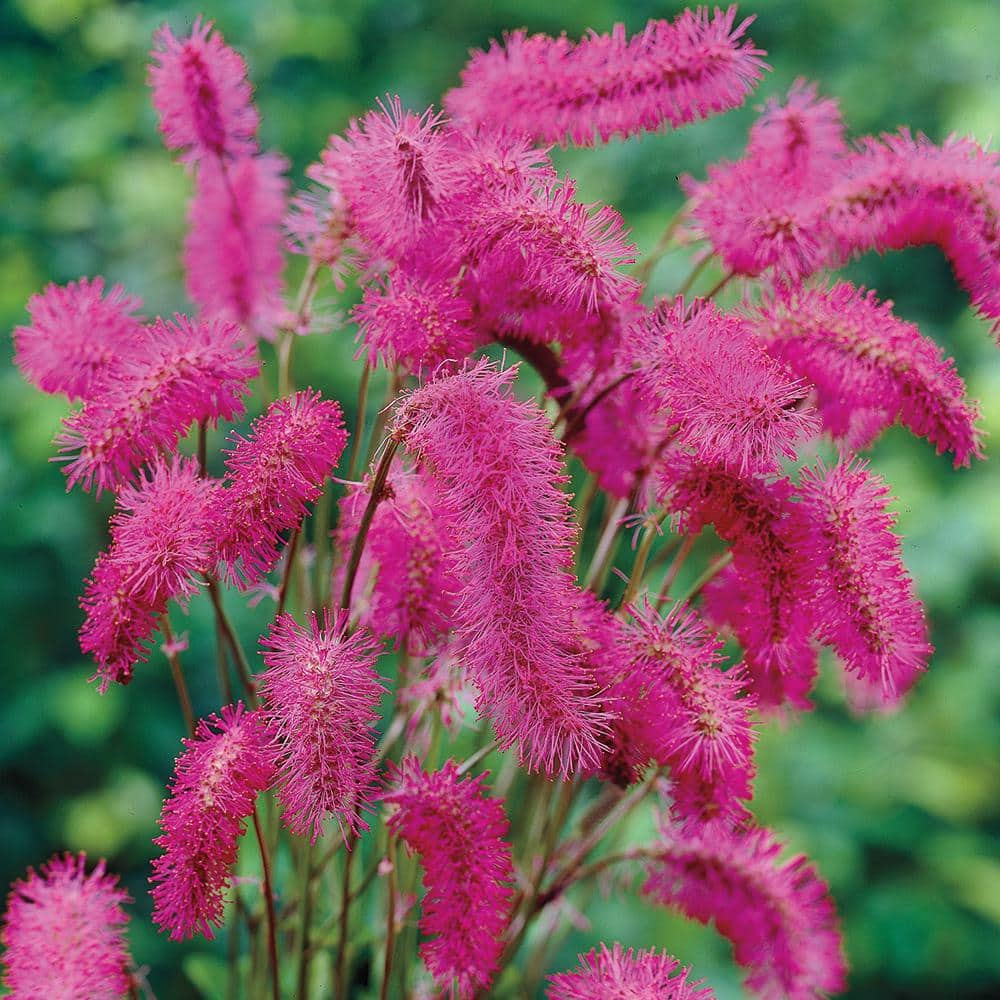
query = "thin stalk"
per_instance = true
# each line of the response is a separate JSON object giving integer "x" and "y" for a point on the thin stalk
{"x": 713, "y": 570}
{"x": 639, "y": 567}
{"x": 345, "y": 917}
{"x": 644, "y": 268}
{"x": 222, "y": 666}
{"x": 305, "y": 898}
{"x": 359, "y": 428}
{"x": 585, "y": 502}
{"x": 272, "y": 924}
{"x": 575, "y": 425}
{"x": 689, "y": 281}
{"x": 675, "y": 567}
{"x": 222, "y": 619}
{"x": 470, "y": 762}
{"x": 177, "y": 673}
{"x": 390, "y": 924}
{"x": 605, "y": 544}
{"x": 383, "y": 416}
{"x": 286, "y": 578}
{"x": 720, "y": 284}
{"x": 202, "y": 449}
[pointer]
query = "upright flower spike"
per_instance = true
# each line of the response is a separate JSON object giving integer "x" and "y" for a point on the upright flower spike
{"x": 189, "y": 372}
{"x": 498, "y": 471}
{"x": 778, "y": 915}
{"x": 201, "y": 92}
{"x": 458, "y": 831}
{"x": 272, "y": 476}
{"x": 321, "y": 695}
{"x": 607, "y": 85}
{"x": 617, "y": 973}
{"x": 77, "y": 335}
{"x": 216, "y": 781}
{"x": 233, "y": 250}
{"x": 64, "y": 933}
{"x": 869, "y": 368}
{"x": 862, "y": 595}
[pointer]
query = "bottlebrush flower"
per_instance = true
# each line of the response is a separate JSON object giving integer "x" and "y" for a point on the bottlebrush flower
{"x": 201, "y": 92}
{"x": 869, "y": 368}
{"x": 415, "y": 324}
{"x": 64, "y": 933}
{"x": 215, "y": 784}
{"x": 272, "y": 475}
{"x": 733, "y": 405}
{"x": 321, "y": 695}
{"x": 779, "y": 916}
{"x": 413, "y": 593}
{"x": 863, "y": 597}
{"x": 76, "y": 336}
{"x": 616, "y": 974}
{"x": 607, "y": 85}
{"x": 459, "y": 831}
{"x": 498, "y": 470}
{"x": 190, "y": 372}
{"x": 232, "y": 253}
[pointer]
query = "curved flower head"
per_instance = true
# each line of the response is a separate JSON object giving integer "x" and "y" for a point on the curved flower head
{"x": 458, "y": 831}
{"x": 215, "y": 784}
{"x": 77, "y": 335}
{"x": 64, "y": 933}
{"x": 201, "y": 92}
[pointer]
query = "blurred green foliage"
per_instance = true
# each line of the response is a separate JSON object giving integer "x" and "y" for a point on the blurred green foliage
{"x": 900, "y": 813}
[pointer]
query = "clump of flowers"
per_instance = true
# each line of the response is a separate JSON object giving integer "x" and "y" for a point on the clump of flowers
{"x": 464, "y": 612}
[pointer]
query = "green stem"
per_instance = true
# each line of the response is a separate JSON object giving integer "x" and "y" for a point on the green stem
{"x": 305, "y": 902}
{"x": 345, "y": 911}
{"x": 286, "y": 578}
{"x": 719, "y": 285}
{"x": 605, "y": 545}
{"x": 675, "y": 567}
{"x": 222, "y": 619}
{"x": 644, "y": 268}
{"x": 713, "y": 570}
{"x": 689, "y": 281}
{"x": 177, "y": 673}
{"x": 639, "y": 567}
{"x": 359, "y": 429}
{"x": 390, "y": 923}
{"x": 272, "y": 923}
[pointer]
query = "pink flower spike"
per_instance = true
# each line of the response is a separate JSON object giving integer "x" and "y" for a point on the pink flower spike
{"x": 64, "y": 933}
{"x": 215, "y": 784}
{"x": 458, "y": 831}
{"x": 201, "y": 92}
{"x": 607, "y": 85}
{"x": 862, "y": 595}
{"x": 321, "y": 696}
{"x": 272, "y": 476}
{"x": 619, "y": 974}
{"x": 77, "y": 335}
{"x": 778, "y": 915}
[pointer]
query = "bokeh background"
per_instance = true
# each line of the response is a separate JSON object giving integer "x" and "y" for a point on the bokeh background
{"x": 900, "y": 813}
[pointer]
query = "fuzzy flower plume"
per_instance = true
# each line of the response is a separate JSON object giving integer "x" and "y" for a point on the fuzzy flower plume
{"x": 606, "y": 85}
{"x": 869, "y": 368}
{"x": 321, "y": 695}
{"x": 412, "y": 587}
{"x": 272, "y": 476}
{"x": 201, "y": 92}
{"x": 215, "y": 784}
{"x": 617, "y": 973}
{"x": 734, "y": 405}
{"x": 498, "y": 471}
{"x": 64, "y": 933}
{"x": 458, "y": 831}
{"x": 863, "y": 597}
{"x": 188, "y": 372}
{"x": 162, "y": 539}
{"x": 778, "y": 915}
{"x": 233, "y": 249}
{"x": 77, "y": 335}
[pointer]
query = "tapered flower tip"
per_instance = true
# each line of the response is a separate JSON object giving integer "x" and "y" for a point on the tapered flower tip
{"x": 201, "y": 92}
{"x": 64, "y": 933}
{"x": 617, "y": 973}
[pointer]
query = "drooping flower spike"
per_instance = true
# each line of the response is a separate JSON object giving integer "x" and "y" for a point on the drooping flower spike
{"x": 64, "y": 933}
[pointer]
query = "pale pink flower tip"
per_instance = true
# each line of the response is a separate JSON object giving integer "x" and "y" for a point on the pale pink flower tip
{"x": 605, "y": 85}
{"x": 617, "y": 973}
{"x": 77, "y": 334}
{"x": 778, "y": 915}
{"x": 201, "y": 92}
{"x": 64, "y": 933}
{"x": 459, "y": 831}
{"x": 214, "y": 788}
{"x": 321, "y": 695}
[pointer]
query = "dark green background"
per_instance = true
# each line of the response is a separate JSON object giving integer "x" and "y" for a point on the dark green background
{"x": 900, "y": 813}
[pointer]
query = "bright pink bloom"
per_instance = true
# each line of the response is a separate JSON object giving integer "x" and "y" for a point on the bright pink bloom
{"x": 498, "y": 470}
{"x": 607, "y": 85}
{"x": 733, "y": 405}
{"x": 272, "y": 475}
{"x": 201, "y": 91}
{"x": 189, "y": 372}
{"x": 233, "y": 250}
{"x": 76, "y": 336}
{"x": 458, "y": 831}
{"x": 869, "y": 368}
{"x": 214, "y": 788}
{"x": 863, "y": 597}
{"x": 778, "y": 916}
{"x": 620, "y": 974}
{"x": 64, "y": 933}
{"x": 321, "y": 695}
